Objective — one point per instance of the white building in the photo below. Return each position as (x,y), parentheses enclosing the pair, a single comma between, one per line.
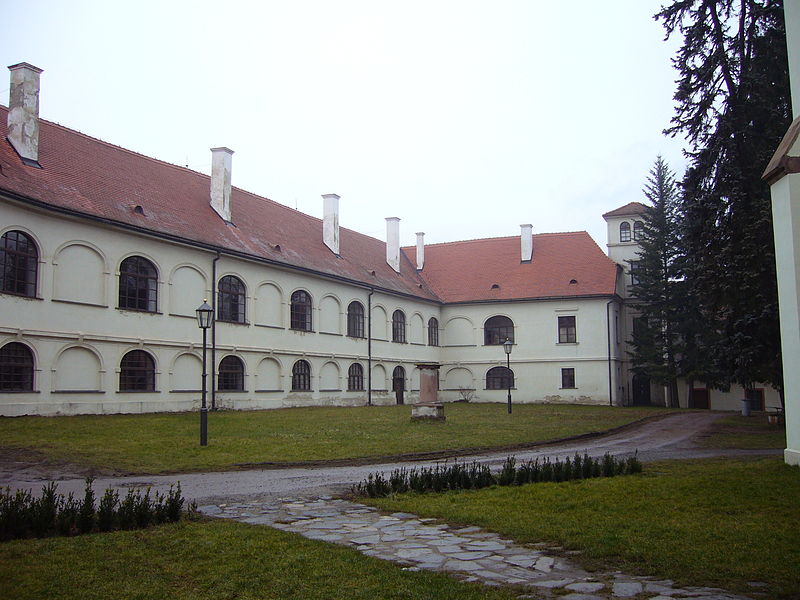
(106,254)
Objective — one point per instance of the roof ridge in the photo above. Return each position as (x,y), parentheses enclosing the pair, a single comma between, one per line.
(506,237)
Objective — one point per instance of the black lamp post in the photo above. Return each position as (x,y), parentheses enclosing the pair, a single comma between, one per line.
(205,315)
(507,346)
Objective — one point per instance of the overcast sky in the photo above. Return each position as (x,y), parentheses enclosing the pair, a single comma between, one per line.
(465,119)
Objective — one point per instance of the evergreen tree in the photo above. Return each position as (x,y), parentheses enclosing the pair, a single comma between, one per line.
(733,105)
(658,285)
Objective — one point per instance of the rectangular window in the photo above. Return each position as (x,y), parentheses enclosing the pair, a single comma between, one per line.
(635,266)
(568,378)
(566,330)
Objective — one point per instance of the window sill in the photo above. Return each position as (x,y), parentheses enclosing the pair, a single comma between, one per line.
(78,392)
(356,337)
(301,330)
(138,391)
(566,343)
(265,391)
(231,391)
(295,391)
(233,322)
(361,390)
(186,391)
(398,342)
(331,390)
(24,296)
(139,311)
(497,389)
(568,388)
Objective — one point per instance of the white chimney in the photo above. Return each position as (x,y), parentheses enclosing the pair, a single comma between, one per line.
(393,242)
(526,242)
(330,222)
(420,250)
(23,112)
(221,160)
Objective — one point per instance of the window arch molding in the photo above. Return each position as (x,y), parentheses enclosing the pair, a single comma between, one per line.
(498,329)
(20,256)
(625,231)
(17,367)
(137,371)
(231,372)
(355,320)
(355,378)
(499,378)
(138,283)
(231,299)
(301,376)
(399,326)
(301,306)
(433,331)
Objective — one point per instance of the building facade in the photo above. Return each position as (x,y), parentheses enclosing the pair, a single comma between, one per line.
(106,255)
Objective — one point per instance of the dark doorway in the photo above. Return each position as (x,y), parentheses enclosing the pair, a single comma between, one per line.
(641,390)
(699,399)
(399,383)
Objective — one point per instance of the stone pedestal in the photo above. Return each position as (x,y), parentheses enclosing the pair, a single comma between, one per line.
(428,407)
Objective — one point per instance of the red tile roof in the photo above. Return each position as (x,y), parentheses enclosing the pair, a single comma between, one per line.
(83,175)
(466,271)
(630,209)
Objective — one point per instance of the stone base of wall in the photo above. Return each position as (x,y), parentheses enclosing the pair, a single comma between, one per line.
(429,411)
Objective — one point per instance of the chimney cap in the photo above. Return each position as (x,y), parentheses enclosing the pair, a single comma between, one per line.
(420,233)
(336,196)
(392,218)
(24,65)
(222,149)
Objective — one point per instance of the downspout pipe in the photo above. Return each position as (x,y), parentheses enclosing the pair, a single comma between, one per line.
(214,332)
(369,347)
(608,335)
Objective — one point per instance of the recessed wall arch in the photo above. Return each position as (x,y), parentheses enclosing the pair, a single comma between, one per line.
(269,374)
(459,377)
(78,367)
(186,372)
(330,314)
(380,320)
(459,331)
(80,273)
(268,304)
(416,329)
(330,376)
(188,287)
(379,377)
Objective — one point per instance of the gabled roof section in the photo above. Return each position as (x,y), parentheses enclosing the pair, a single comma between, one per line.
(491,269)
(631,209)
(99,180)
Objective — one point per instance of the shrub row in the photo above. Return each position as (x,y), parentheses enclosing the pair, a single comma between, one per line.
(22,515)
(459,476)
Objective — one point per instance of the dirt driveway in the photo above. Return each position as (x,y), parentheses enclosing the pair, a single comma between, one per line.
(672,436)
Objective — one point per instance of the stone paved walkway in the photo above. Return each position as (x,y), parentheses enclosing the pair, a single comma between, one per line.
(539,570)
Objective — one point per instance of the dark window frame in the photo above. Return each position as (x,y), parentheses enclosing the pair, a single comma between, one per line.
(231,300)
(433,331)
(399,326)
(138,285)
(399,378)
(568,378)
(638,230)
(498,329)
(230,374)
(355,320)
(636,265)
(624,232)
(17,368)
(301,376)
(19,264)
(567,329)
(497,378)
(137,372)
(355,378)
(300,311)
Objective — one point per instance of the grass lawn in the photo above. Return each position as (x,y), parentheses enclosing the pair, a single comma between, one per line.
(168,442)
(721,522)
(736,431)
(217,560)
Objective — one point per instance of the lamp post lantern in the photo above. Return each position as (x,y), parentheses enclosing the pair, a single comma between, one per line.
(205,315)
(507,346)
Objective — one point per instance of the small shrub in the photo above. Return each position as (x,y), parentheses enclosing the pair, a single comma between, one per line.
(107,511)
(67,516)
(86,513)
(508,472)
(45,508)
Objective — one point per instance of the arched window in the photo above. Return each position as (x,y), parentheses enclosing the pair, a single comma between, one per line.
(231,300)
(497,329)
(355,378)
(138,284)
(301,377)
(625,232)
(231,374)
(300,311)
(19,262)
(638,230)
(16,368)
(398,379)
(433,331)
(499,378)
(399,326)
(355,320)
(137,372)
